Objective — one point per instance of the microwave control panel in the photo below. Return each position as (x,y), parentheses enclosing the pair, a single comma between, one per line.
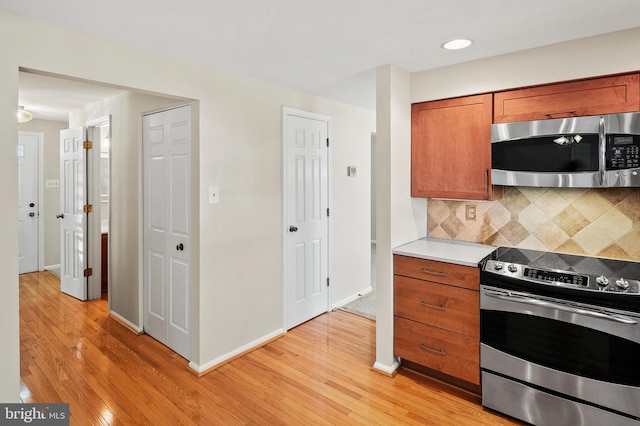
(623,151)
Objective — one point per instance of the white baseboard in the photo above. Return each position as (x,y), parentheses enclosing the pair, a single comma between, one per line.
(389,369)
(222,358)
(126,322)
(46,268)
(347,300)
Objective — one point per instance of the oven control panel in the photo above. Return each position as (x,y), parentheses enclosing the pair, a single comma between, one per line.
(563,278)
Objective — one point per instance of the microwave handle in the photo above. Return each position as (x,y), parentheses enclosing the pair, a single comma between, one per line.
(561,306)
(603,150)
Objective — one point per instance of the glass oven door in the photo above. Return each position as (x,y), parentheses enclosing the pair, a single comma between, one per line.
(576,349)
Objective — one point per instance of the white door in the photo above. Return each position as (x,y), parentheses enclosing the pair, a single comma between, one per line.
(306,218)
(73,228)
(167,228)
(28,201)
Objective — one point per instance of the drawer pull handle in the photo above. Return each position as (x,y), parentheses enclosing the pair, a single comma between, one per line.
(437,351)
(426,271)
(429,305)
(550,115)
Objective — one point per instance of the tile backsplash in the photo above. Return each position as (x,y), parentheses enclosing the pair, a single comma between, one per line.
(595,222)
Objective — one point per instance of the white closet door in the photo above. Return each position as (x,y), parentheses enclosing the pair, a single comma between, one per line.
(307,221)
(167,228)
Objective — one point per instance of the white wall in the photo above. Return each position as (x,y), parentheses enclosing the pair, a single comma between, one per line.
(238,147)
(9,336)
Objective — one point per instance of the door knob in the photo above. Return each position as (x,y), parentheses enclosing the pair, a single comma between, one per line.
(293,229)
(32,214)
(180,247)
(60,216)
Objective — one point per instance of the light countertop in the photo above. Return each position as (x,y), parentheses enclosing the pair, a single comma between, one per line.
(450,251)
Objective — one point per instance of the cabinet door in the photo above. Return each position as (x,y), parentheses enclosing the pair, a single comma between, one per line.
(451,148)
(605,95)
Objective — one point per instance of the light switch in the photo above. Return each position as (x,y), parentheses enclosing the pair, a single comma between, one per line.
(214,195)
(52,183)
(352,171)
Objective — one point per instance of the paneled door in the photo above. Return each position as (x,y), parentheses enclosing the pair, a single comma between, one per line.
(29,201)
(167,228)
(73,198)
(306,216)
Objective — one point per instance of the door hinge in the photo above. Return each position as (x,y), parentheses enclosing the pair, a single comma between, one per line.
(327,141)
(88,272)
(327,211)
(87,145)
(88,208)
(327,281)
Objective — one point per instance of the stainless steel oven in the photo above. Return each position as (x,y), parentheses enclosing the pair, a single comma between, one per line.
(560,338)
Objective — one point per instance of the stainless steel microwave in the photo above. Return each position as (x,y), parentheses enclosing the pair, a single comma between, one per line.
(578,152)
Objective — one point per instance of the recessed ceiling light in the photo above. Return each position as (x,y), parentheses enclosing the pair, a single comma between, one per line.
(460,43)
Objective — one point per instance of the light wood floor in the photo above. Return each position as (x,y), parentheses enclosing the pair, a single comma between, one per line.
(318,373)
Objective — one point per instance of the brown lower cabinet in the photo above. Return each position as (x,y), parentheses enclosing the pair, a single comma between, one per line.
(437,318)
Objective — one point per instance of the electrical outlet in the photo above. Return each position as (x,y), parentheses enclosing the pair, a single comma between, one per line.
(471,212)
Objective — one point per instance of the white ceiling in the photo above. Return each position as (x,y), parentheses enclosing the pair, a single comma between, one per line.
(331,47)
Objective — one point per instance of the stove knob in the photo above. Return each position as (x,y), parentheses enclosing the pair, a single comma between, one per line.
(497,266)
(602,281)
(622,284)
(512,268)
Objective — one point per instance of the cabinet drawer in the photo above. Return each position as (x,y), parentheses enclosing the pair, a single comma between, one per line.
(605,95)
(450,353)
(441,272)
(452,308)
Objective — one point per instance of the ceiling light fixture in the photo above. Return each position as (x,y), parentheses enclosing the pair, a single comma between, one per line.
(460,43)
(23,115)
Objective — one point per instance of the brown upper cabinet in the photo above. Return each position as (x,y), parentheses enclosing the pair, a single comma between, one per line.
(451,148)
(603,95)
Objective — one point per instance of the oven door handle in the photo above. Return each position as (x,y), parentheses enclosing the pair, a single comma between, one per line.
(561,306)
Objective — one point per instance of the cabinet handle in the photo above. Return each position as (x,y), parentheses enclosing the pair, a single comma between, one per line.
(428,305)
(437,351)
(486,184)
(551,114)
(426,271)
